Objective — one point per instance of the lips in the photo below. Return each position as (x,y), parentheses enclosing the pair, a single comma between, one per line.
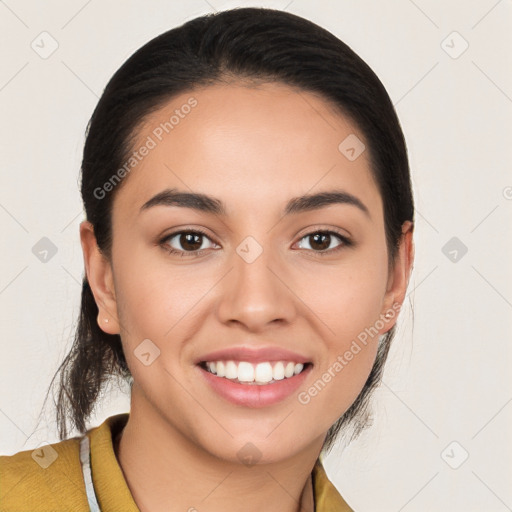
(254,377)
(253,395)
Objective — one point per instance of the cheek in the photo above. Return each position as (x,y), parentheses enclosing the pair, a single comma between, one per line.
(349,297)
(142,293)
(157,299)
(348,301)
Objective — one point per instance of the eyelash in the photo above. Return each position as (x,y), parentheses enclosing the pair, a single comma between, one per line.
(346,242)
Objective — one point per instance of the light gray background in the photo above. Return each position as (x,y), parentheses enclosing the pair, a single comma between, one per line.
(448,376)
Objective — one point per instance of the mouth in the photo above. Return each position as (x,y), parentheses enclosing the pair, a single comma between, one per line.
(254,385)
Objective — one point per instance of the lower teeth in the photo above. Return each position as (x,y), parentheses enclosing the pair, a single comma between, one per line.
(254,383)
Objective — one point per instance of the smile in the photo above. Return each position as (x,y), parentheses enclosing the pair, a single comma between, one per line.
(254,385)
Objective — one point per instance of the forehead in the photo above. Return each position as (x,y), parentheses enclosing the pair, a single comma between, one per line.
(250,145)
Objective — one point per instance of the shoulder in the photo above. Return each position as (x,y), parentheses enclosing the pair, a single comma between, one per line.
(327,497)
(43,479)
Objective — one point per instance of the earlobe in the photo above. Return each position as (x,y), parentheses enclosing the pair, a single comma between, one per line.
(399,276)
(99,275)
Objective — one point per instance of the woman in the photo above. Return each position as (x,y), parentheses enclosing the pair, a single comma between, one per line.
(247,248)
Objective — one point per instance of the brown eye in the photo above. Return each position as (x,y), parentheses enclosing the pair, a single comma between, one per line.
(320,242)
(183,242)
(190,241)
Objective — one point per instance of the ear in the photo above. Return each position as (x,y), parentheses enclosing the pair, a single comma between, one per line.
(99,275)
(398,278)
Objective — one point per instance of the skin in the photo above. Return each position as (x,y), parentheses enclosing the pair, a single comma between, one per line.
(253,147)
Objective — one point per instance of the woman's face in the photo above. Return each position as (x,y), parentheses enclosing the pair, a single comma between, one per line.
(263,282)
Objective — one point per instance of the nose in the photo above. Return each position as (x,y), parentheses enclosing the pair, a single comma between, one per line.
(256,294)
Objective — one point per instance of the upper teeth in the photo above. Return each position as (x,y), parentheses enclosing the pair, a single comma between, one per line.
(260,373)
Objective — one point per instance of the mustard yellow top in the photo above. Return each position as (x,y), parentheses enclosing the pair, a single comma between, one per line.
(53,477)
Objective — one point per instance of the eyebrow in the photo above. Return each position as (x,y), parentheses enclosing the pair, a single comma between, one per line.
(214,206)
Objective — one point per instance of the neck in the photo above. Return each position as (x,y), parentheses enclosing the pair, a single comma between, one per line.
(193,481)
